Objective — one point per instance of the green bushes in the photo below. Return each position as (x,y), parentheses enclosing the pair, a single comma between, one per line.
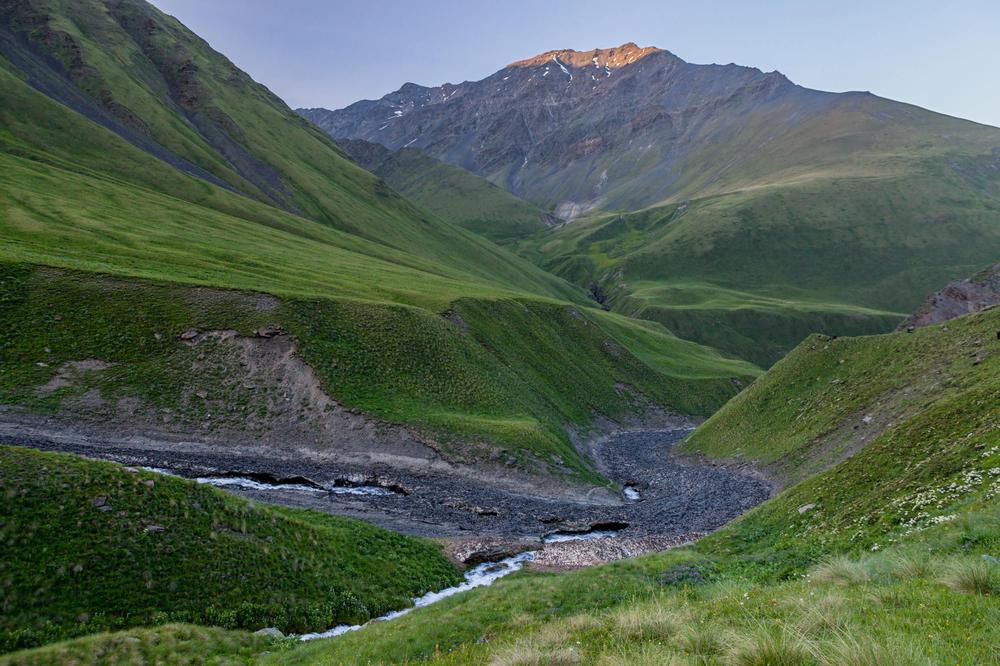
(88,546)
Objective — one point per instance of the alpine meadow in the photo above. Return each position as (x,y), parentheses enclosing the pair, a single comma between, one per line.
(603,358)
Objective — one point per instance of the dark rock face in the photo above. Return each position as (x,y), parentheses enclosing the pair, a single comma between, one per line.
(577,130)
(957,299)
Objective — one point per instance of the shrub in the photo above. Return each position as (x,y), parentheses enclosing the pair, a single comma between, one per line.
(973,577)
(842,570)
(850,650)
(772,648)
(647,623)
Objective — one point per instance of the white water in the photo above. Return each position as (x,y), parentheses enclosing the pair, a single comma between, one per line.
(253,484)
(478,576)
(243,482)
(560,537)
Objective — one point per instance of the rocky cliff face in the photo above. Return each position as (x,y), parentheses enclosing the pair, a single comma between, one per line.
(574,130)
(958,298)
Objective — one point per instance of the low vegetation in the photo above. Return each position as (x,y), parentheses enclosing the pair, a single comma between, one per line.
(89,546)
(173,644)
(450,192)
(511,373)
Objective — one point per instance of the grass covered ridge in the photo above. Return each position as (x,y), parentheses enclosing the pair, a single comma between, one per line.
(90,546)
(511,373)
(755,270)
(448,191)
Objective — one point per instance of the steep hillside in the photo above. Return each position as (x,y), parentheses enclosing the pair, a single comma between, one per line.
(833,397)
(112,165)
(70,66)
(90,546)
(450,192)
(733,206)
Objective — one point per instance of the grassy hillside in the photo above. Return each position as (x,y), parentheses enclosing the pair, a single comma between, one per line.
(511,373)
(830,397)
(879,558)
(164,90)
(754,271)
(450,192)
(69,181)
(90,546)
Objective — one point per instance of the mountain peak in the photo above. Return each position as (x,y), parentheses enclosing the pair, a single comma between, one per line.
(612,58)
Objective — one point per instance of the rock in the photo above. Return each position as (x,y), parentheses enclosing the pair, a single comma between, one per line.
(154,528)
(270,632)
(269,332)
(201,394)
(99,501)
(189,335)
(130,470)
(867,418)
(957,299)
(149,483)
(805,508)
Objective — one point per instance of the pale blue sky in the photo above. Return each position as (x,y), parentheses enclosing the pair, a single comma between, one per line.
(938,54)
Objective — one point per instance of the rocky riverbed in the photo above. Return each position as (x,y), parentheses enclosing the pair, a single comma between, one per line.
(660,499)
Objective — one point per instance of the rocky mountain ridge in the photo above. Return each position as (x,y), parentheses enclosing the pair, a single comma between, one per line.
(570,130)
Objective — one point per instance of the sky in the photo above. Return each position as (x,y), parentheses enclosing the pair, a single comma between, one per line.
(942,55)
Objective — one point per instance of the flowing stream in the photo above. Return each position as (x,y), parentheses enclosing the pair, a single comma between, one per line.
(256,484)
(478,576)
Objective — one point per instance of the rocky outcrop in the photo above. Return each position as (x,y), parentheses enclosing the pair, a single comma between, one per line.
(573,130)
(958,298)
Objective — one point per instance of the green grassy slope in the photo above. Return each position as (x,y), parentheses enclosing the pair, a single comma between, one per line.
(832,396)
(836,227)
(891,540)
(56,161)
(508,372)
(450,192)
(83,551)
(315,180)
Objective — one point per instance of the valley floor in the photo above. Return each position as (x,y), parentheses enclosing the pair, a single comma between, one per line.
(663,501)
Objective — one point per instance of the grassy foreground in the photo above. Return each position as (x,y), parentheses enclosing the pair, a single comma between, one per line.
(90,546)
(886,557)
